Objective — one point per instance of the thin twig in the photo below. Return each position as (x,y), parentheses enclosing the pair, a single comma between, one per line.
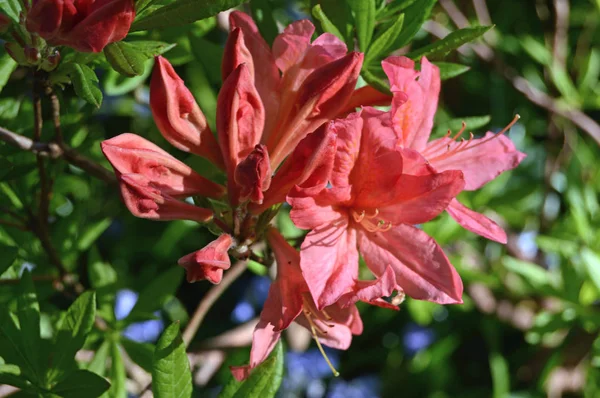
(210,298)
(56,116)
(53,150)
(561,34)
(22,227)
(35,278)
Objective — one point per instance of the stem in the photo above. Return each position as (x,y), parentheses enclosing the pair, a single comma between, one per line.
(210,298)
(14,225)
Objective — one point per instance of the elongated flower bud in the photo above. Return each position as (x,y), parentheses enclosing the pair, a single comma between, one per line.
(129,153)
(145,200)
(178,116)
(253,175)
(208,262)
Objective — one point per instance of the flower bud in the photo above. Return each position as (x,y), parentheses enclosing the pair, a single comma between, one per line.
(129,153)
(5,23)
(51,61)
(178,116)
(253,175)
(145,200)
(32,55)
(85,25)
(209,262)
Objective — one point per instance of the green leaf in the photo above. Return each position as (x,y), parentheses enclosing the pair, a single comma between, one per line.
(500,375)
(12,8)
(454,125)
(130,58)
(384,42)
(592,263)
(92,233)
(7,67)
(441,48)
(182,12)
(84,81)
(118,376)
(11,375)
(140,353)
(377,82)
(415,16)
(263,382)
(171,374)
(263,16)
(326,23)
(537,277)
(364,19)
(448,70)
(28,313)
(8,254)
(71,335)
(98,363)
(81,383)
(125,58)
(157,292)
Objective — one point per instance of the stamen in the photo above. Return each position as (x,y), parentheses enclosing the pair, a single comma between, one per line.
(326,315)
(462,129)
(367,221)
(387,227)
(374,214)
(314,333)
(358,218)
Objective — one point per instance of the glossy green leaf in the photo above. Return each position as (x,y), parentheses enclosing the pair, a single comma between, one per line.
(72,333)
(8,254)
(182,12)
(85,83)
(263,16)
(414,16)
(7,67)
(380,83)
(171,374)
(118,376)
(326,24)
(263,382)
(364,19)
(125,58)
(81,383)
(11,375)
(448,70)
(442,47)
(382,44)
(140,353)
(91,233)
(28,313)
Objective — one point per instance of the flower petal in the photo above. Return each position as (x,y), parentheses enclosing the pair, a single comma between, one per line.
(130,153)
(372,291)
(177,115)
(253,175)
(289,46)
(147,201)
(421,267)
(329,262)
(415,101)
(481,160)
(263,342)
(476,222)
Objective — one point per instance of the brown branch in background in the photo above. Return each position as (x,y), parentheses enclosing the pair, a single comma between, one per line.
(11,224)
(210,298)
(561,34)
(484,18)
(53,151)
(56,116)
(459,19)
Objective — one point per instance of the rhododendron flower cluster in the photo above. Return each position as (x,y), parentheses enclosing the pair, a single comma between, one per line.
(360,181)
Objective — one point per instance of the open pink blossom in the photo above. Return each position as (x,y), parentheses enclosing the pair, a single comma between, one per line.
(289,300)
(480,159)
(378,192)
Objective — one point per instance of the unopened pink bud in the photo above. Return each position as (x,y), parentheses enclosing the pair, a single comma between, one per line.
(209,262)
(253,175)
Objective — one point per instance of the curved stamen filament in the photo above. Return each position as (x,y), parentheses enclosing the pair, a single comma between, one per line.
(369,223)
(465,147)
(314,329)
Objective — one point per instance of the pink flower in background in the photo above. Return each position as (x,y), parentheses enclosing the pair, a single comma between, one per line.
(378,191)
(289,300)
(480,159)
(85,25)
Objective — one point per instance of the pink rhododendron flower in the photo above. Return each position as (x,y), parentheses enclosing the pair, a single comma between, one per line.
(85,25)
(289,300)
(208,262)
(480,159)
(378,191)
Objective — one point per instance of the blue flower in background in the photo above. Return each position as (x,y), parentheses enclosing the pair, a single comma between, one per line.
(252,300)
(305,371)
(417,338)
(361,387)
(142,332)
(243,312)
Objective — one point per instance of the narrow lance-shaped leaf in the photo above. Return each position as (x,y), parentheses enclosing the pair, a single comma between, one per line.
(592,263)
(364,18)
(157,291)
(384,42)
(441,48)
(448,70)
(8,254)
(415,16)
(171,374)
(326,23)
(182,12)
(28,312)
(81,383)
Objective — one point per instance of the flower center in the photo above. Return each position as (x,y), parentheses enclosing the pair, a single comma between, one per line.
(316,330)
(370,222)
(435,152)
